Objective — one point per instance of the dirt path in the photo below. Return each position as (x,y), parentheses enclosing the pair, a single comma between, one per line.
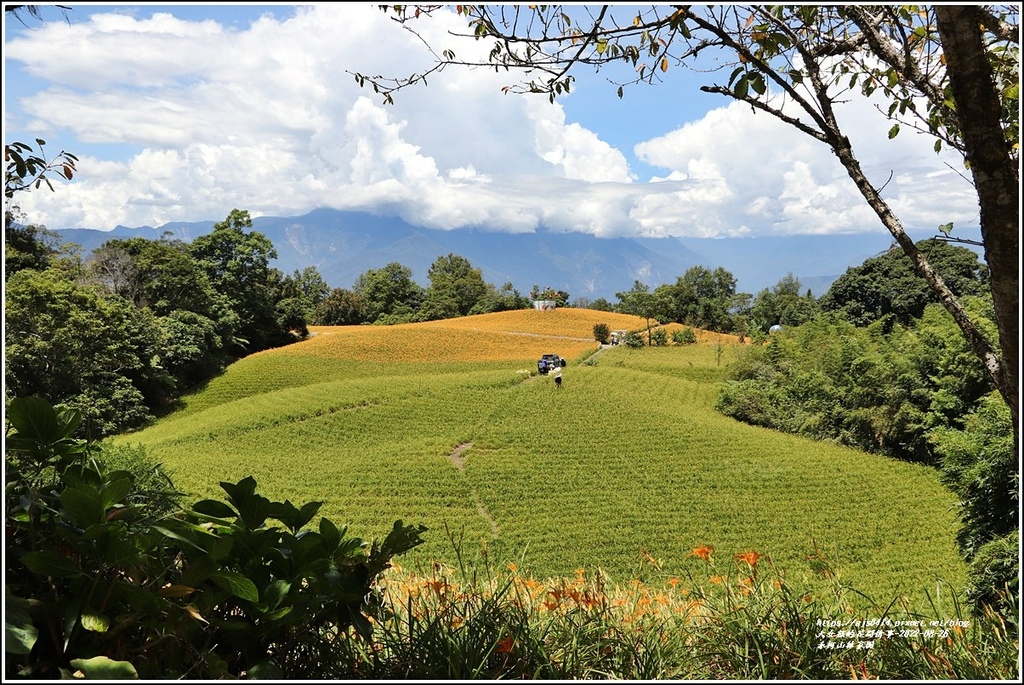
(459,460)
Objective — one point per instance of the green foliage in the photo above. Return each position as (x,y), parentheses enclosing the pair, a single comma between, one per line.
(340,308)
(685,336)
(66,342)
(994,577)
(700,297)
(191,348)
(980,466)
(888,286)
(104,579)
(659,338)
(503,299)
(602,333)
(633,340)
(830,380)
(27,247)
(237,264)
(456,287)
(782,304)
(389,292)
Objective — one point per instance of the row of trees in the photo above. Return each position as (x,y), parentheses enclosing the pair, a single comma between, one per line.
(389,295)
(883,287)
(122,334)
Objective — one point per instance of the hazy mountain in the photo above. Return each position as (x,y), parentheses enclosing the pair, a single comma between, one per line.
(343,245)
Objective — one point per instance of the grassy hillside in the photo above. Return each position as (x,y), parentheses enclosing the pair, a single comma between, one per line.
(446,424)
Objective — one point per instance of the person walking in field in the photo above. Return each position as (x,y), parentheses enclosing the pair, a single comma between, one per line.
(558,379)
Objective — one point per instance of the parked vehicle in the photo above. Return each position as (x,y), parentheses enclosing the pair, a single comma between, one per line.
(549,362)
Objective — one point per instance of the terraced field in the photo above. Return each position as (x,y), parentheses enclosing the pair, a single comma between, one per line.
(446,424)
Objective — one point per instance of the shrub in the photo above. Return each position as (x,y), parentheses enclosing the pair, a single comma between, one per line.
(685,336)
(994,577)
(633,340)
(99,580)
(659,337)
(602,333)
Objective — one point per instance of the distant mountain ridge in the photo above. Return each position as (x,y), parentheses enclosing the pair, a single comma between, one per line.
(343,244)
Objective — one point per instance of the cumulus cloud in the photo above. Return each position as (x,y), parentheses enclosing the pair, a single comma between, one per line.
(268,118)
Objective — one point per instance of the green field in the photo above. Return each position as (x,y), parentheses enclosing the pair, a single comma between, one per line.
(629,455)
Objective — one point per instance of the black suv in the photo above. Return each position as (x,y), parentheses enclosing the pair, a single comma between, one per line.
(549,362)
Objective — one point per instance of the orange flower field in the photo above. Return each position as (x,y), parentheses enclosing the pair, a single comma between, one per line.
(520,335)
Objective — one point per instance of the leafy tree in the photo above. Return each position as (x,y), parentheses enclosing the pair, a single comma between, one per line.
(76,348)
(237,263)
(949,70)
(456,287)
(177,290)
(116,271)
(309,287)
(602,333)
(28,247)
(601,305)
(887,285)
(503,299)
(701,297)
(191,347)
(389,291)
(639,301)
(783,304)
(340,308)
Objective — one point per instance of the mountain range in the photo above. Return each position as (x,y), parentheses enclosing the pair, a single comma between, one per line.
(344,244)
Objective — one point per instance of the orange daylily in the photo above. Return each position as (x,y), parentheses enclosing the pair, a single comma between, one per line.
(505,645)
(749,557)
(704,552)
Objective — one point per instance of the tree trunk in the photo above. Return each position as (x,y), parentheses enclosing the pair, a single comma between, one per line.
(995,176)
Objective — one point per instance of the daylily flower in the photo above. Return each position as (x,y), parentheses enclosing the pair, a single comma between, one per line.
(704,552)
(749,557)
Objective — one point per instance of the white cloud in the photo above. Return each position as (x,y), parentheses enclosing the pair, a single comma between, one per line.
(267,118)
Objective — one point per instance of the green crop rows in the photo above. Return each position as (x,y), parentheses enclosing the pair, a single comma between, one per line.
(628,455)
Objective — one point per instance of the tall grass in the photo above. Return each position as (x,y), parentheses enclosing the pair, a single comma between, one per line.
(735,618)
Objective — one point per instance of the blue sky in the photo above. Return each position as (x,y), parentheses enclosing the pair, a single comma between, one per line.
(184,112)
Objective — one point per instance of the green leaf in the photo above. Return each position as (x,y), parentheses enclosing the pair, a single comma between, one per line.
(104,668)
(34,418)
(19,633)
(113,492)
(83,506)
(214,508)
(330,534)
(894,131)
(740,89)
(757,83)
(237,584)
(94,621)
(166,532)
(52,564)
(275,592)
